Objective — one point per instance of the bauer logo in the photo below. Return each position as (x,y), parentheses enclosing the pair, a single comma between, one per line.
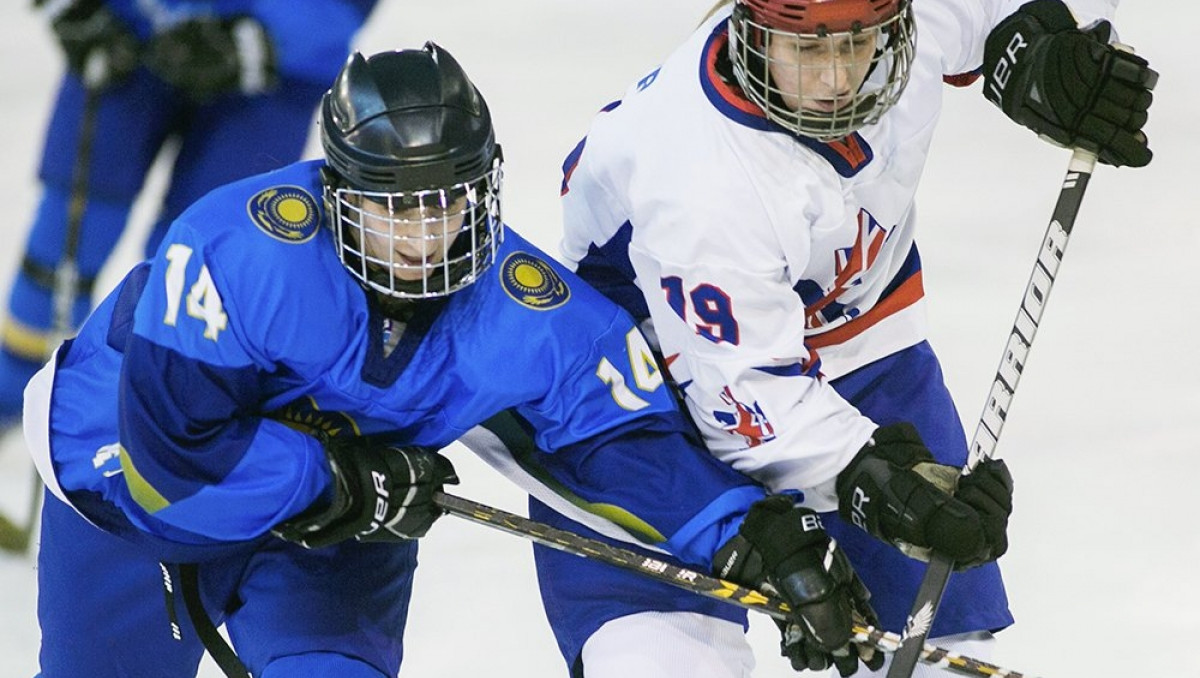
(286,213)
(533,283)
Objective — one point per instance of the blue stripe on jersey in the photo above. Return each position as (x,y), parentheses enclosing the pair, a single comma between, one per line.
(192,422)
(798,369)
(572,159)
(607,268)
(569,165)
(697,541)
(910,267)
(121,320)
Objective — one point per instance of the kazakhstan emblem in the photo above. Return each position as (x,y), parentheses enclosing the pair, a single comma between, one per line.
(286,213)
(533,283)
(306,417)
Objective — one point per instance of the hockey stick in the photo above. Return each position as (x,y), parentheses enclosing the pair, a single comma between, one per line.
(15,538)
(995,409)
(690,580)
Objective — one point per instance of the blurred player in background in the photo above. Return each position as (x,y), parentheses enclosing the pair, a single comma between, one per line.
(262,403)
(751,201)
(232,84)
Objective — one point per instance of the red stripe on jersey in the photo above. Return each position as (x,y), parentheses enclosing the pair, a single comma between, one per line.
(962,79)
(908,293)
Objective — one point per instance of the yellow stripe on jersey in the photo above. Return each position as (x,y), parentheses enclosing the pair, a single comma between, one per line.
(142,491)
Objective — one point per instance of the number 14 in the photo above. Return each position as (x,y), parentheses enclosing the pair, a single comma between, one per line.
(203,301)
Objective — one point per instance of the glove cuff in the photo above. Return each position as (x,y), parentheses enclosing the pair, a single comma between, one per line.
(68,10)
(1051,15)
(256,70)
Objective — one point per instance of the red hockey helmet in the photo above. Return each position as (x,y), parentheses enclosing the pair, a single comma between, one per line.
(816,17)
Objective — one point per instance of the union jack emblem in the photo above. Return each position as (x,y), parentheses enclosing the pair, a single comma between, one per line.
(747,421)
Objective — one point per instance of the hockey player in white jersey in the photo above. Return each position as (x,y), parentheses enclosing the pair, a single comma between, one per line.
(751,200)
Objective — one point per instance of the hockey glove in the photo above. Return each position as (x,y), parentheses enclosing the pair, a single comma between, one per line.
(1070,85)
(783,549)
(380,494)
(207,57)
(99,47)
(895,490)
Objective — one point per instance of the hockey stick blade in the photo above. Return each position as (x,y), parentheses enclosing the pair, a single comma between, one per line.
(15,538)
(690,580)
(1004,385)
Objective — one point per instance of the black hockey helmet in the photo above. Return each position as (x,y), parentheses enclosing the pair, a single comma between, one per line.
(412,165)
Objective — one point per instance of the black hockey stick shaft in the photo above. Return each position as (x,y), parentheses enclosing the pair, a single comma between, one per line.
(1004,385)
(66,273)
(690,580)
(14,537)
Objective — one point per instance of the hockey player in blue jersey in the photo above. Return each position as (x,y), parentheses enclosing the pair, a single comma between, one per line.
(231,84)
(265,399)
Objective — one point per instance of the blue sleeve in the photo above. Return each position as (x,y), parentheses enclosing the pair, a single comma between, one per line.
(199,456)
(654,478)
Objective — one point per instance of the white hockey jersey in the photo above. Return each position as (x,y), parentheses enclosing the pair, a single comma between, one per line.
(766,259)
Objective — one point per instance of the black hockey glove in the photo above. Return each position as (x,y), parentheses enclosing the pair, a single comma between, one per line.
(99,47)
(895,490)
(1069,85)
(783,549)
(380,494)
(207,57)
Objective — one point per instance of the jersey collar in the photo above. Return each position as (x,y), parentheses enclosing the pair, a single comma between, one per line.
(847,156)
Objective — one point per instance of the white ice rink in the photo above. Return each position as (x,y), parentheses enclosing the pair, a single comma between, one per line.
(1102,437)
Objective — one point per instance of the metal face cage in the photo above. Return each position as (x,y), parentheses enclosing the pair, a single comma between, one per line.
(824,85)
(418,244)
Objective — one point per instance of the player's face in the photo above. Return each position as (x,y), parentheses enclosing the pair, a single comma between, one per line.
(820,74)
(413,239)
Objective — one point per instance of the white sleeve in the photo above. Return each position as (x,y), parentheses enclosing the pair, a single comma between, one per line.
(592,212)
(960,27)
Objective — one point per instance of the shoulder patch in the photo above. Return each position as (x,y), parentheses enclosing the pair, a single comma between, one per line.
(286,213)
(532,282)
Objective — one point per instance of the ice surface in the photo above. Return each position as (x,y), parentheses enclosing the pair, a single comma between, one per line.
(1098,437)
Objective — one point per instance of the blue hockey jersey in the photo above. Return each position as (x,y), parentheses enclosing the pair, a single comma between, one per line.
(191,407)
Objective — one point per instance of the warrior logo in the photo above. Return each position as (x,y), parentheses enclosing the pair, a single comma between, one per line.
(286,213)
(746,421)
